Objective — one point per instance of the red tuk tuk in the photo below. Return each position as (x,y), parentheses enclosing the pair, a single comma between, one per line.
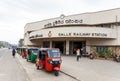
(24,52)
(49,59)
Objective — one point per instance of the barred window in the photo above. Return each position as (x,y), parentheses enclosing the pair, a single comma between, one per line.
(101,48)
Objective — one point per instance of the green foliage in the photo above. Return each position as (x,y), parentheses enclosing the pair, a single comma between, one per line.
(21,42)
(1,44)
(105,53)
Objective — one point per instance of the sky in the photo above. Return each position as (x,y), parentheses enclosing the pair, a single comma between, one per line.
(14,14)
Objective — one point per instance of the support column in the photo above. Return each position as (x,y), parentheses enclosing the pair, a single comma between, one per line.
(88,47)
(41,44)
(67,47)
(50,44)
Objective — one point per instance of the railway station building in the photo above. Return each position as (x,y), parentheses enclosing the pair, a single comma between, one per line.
(92,31)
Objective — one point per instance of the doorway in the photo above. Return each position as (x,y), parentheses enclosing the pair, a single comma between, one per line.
(46,44)
(74,45)
(60,45)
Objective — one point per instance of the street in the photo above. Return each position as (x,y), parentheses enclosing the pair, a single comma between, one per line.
(10,68)
(60,40)
(42,75)
(18,69)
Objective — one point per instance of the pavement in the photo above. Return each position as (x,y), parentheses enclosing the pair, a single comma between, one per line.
(40,75)
(10,69)
(91,70)
(86,69)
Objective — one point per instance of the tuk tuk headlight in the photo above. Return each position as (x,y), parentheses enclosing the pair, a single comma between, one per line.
(50,61)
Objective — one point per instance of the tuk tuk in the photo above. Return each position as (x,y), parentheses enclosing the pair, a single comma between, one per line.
(24,52)
(32,54)
(19,50)
(49,59)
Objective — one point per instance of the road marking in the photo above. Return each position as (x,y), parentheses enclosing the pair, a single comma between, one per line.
(77,79)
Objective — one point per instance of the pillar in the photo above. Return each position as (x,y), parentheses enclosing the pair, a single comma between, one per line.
(67,47)
(50,44)
(41,44)
(88,47)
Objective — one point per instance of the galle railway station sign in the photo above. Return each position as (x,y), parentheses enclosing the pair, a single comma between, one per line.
(70,34)
(84,34)
(63,22)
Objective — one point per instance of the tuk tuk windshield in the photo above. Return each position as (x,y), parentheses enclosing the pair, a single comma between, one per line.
(34,51)
(53,53)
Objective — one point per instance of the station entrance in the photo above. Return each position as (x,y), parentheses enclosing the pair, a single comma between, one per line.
(74,45)
(60,45)
(46,44)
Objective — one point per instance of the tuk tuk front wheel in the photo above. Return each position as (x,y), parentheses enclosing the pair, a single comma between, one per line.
(56,73)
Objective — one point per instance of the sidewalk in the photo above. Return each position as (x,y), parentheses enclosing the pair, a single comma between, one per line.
(84,70)
(91,70)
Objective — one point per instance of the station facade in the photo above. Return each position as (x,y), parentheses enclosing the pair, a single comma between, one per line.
(93,31)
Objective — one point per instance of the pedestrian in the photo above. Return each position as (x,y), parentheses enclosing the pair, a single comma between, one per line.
(81,51)
(74,51)
(78,54)
(13,52)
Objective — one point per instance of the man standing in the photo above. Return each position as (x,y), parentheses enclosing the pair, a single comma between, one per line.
(78,54)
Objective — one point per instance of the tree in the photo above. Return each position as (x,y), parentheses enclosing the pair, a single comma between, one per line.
(1,44)
(21,42)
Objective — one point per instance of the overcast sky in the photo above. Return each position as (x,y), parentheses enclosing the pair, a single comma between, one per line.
(14,14)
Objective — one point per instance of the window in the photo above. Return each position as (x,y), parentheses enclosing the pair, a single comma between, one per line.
(53,53)
(34,51)
(101,49)
(104,25)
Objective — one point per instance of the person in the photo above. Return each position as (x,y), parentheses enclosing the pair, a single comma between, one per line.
(78,54)
(81,51)
(74,51)
(13,52)
(117,58)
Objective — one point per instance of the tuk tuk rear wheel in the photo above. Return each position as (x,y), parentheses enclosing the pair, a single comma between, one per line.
(56,73)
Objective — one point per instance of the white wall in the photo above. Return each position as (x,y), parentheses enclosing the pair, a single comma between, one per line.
(26,40)
(88,18)
(111,33)
(108,16)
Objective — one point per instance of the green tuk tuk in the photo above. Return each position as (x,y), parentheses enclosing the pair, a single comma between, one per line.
(19,50)
(32,54)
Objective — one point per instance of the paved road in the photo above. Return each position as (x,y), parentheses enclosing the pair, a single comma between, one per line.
(91,70)
(84,70)
(10,68)
(41,75)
